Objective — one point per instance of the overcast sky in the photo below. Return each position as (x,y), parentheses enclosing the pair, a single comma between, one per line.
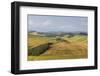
(42,23)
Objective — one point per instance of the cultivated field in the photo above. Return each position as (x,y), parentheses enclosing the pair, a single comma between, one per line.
(57,47)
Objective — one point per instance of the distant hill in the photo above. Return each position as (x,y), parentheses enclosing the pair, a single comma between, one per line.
(56,33)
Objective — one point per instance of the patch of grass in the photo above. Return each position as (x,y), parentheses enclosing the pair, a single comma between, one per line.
(34,41)
(35,51)
(35,58)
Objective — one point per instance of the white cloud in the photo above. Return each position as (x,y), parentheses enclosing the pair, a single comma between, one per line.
(46,23)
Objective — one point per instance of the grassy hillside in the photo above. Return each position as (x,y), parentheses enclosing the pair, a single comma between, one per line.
(60,47)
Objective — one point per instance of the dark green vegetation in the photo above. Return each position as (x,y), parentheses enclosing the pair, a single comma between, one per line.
(35,51)
(49,46)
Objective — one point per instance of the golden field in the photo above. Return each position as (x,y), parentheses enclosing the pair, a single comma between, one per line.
(52,48)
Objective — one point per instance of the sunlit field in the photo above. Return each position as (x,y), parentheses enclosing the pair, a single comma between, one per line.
(57,47)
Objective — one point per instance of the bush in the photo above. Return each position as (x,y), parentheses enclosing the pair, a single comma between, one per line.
(38,50)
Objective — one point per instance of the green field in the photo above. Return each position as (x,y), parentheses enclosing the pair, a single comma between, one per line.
(57,47)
